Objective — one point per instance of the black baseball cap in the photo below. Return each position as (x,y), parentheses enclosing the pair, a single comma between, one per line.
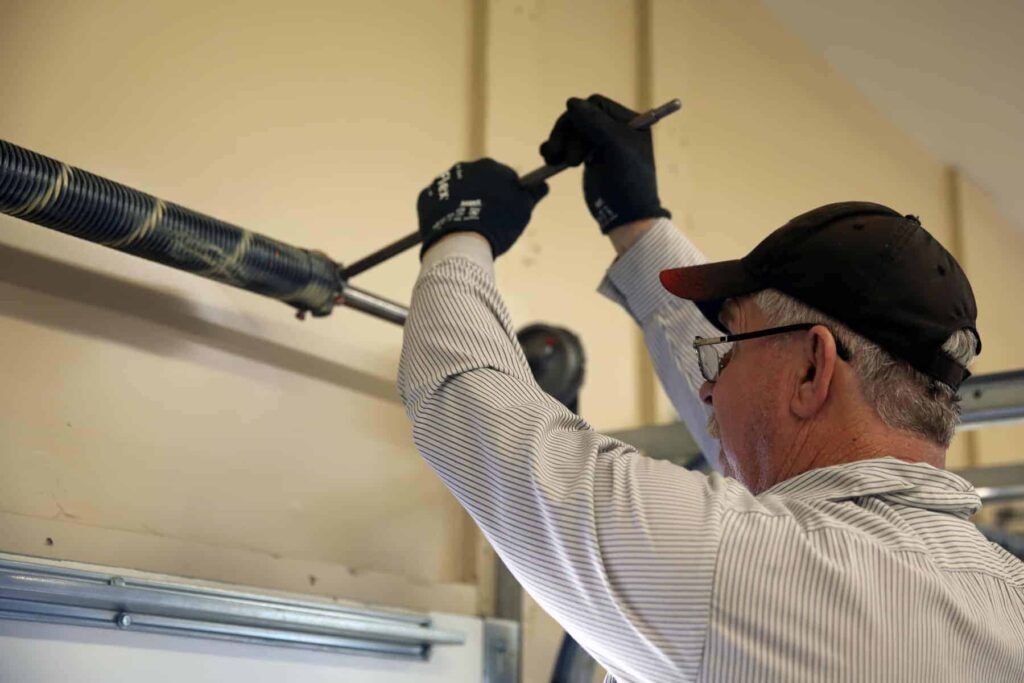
(876,271)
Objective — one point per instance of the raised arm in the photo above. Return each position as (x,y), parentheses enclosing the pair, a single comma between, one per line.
(621,191)
(669,323)
(619,548)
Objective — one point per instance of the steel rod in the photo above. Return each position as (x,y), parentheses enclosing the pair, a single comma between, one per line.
(366,302)
(534,177)
(393,249)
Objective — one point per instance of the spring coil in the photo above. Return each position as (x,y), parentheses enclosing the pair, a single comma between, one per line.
(50,193)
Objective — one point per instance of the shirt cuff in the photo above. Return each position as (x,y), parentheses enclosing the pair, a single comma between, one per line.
(460,244)
(632,280)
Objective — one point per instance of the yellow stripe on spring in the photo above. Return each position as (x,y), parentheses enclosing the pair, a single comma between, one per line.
(227,264)
(144,228)
(44,199)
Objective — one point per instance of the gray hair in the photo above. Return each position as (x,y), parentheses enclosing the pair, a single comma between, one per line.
(904,398)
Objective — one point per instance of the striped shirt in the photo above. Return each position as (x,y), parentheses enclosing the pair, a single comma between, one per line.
(867,571)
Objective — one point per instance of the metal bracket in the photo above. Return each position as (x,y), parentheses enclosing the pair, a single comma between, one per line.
(501,651)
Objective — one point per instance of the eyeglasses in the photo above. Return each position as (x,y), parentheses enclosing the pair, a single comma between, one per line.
(713,358)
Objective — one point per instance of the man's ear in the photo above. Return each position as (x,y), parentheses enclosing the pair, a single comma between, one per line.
(818,367)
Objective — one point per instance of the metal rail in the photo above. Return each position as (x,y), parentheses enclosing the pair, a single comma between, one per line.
(994,398)
(37,590)
(998,483)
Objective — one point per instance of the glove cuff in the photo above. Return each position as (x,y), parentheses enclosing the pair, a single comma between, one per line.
(656,211)
(435,238)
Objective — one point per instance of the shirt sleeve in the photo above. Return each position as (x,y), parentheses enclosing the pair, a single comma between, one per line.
(619,548)
(669,323)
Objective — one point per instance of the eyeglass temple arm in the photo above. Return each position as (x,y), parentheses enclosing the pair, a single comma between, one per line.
(700,341)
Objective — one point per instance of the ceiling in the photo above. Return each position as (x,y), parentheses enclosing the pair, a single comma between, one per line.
(950,73)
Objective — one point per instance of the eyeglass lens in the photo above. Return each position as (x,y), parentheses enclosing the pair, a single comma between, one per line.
(712,359)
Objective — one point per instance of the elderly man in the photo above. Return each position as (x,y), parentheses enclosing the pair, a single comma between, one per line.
(835,547)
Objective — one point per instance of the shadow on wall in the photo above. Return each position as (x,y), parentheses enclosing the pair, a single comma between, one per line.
(35,274)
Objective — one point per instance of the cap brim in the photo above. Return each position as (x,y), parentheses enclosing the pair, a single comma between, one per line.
(709,285)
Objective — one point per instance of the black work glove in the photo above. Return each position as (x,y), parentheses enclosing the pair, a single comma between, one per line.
(619,182)
(481,196)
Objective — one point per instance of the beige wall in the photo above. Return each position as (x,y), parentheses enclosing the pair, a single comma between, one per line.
(155,403)
(992,253)
(538,55)
(171,424)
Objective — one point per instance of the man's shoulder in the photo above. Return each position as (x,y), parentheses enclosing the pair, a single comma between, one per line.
(812,521)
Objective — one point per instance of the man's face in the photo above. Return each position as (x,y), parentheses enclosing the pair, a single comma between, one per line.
(747,400)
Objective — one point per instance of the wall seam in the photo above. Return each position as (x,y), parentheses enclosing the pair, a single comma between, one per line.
(480,562)
(954,205)
(647,385)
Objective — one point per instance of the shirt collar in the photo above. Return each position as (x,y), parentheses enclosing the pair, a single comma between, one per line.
(914,484)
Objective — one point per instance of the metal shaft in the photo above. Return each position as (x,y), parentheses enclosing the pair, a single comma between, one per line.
(534,177)
(60,197)
(380,307)
(57,196)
